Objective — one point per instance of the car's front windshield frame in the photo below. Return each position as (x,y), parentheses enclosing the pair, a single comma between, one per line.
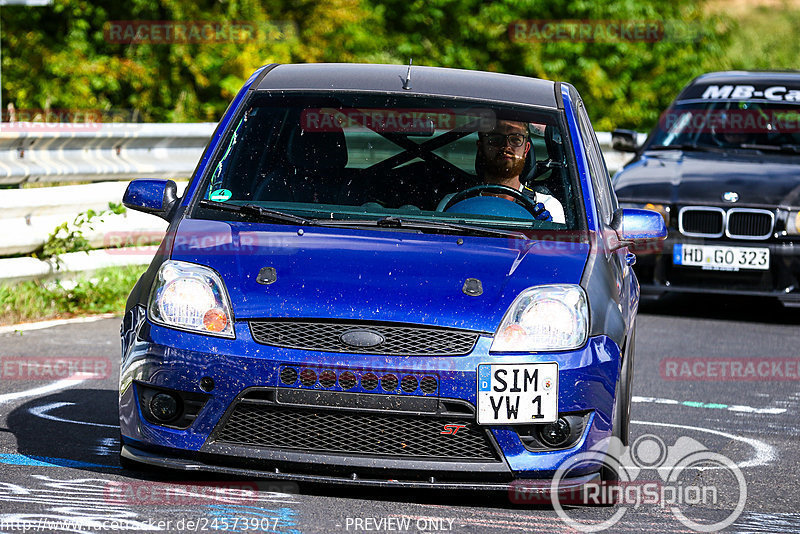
(322,212)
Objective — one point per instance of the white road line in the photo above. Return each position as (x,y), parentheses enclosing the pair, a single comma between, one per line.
(24,327)
(764,453)
(41,411)
(74,380)
(711,405)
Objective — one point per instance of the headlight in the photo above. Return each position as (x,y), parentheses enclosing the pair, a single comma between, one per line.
(554,317)
(663,209)
(793,223)
(190,297)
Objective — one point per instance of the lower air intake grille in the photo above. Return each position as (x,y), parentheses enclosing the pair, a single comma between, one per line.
(331,431)
(393,340)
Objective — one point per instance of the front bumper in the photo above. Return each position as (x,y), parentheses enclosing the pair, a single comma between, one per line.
(658,274)
(165,358)
(209,464)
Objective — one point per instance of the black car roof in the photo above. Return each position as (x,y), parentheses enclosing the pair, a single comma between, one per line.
(434,81)
(758,79)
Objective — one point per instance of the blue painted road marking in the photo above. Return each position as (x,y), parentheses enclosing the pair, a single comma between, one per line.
(46,461)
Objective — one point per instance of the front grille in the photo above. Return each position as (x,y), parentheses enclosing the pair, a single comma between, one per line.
(409,383)
(326,379)
(736,223)
(369,381)
(701,221)
(750,223)
(308,378)
(397,340)
(389,382)
(347,380)
(428,384)
(331,431)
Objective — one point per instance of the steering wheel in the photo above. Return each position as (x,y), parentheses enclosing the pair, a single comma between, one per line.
(497,189)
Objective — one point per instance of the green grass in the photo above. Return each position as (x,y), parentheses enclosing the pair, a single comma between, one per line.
(104,291)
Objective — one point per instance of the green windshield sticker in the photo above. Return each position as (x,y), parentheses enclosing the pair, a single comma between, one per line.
(220,195)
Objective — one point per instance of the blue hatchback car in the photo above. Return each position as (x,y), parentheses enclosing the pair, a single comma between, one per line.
(386,275)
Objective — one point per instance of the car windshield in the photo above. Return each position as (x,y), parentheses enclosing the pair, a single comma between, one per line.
(729,124)
(390,161)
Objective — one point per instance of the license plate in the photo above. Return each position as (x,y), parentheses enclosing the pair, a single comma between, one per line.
(517,393)
(721,258)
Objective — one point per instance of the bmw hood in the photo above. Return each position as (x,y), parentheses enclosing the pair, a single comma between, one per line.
(703,178)
(373,275)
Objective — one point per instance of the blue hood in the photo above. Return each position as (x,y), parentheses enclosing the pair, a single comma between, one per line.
(374,275)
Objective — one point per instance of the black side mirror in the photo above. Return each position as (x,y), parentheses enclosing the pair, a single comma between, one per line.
(624,141)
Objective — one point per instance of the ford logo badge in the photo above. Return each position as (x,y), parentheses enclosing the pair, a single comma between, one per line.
(361,338)
(730,196)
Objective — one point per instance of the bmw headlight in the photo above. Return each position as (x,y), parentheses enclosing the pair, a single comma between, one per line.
(191,297)
(793,223)
(553,317)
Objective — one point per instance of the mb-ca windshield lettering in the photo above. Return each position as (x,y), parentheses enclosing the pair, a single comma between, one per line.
(777,93)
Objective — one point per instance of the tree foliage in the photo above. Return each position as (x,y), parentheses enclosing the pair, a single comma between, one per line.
(59,57)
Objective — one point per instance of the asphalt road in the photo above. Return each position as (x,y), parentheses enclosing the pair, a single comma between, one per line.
(59,470)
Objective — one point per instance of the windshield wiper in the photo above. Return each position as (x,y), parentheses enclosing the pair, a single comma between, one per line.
(682,146)
(792,149)
(261,212)
(384,222)
(755,146)
(416,224)
(784,148)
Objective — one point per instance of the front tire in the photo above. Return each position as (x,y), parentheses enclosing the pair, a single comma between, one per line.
(621,418)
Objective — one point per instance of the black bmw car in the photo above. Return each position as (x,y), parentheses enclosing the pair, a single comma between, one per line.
(722,166)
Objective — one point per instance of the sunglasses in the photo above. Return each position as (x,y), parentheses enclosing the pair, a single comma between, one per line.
(514,139)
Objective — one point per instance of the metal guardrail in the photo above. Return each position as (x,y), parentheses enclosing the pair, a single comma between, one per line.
(59,152)
(29,216)
(101,153)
